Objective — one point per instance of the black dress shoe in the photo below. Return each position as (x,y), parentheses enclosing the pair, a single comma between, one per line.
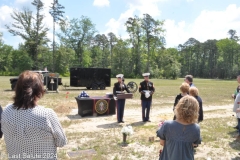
(122,121)
(144,121)
(236,127)
(148,120)
(119,122)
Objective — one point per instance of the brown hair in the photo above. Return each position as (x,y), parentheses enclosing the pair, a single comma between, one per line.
(28,89)
(187,109)
(184,88)
(193,91)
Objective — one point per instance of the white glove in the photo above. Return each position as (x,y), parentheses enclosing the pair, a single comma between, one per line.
(147,94)
(115,98)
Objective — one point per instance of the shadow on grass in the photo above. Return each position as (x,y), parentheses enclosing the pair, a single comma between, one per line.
(87,116)
(140,123)
(8,90)
(232,133)
(110,125)
(235,144)
(122,144)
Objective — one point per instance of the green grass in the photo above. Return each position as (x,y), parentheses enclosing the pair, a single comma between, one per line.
(213,92)
(217,132)
(212,130)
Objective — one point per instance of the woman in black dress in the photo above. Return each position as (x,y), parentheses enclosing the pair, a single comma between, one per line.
(184,88)
(193,91)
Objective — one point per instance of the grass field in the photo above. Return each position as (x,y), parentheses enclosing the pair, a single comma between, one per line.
(213,92)
(216,129)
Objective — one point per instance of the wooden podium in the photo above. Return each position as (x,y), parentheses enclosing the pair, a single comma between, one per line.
(125,96)
(99,105)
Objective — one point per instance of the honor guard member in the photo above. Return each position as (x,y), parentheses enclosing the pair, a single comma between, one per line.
(146,89)
(118,88)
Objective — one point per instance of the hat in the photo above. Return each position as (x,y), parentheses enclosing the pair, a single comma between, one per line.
(119,76)
(146,74)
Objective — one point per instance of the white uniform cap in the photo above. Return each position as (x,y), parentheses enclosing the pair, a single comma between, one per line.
(146,74)
(119,76)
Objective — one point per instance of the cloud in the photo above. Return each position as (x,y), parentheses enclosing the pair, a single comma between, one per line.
(176,33)
(101,3)
(21,1)
(208,25)
(117,26)
(143,6)
(135,7)
(5,16)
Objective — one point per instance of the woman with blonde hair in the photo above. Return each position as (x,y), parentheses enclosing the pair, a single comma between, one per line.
(193,91)
(184,88)
(178,137)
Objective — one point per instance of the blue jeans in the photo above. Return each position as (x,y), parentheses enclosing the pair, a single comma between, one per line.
(146,105)
(120,109)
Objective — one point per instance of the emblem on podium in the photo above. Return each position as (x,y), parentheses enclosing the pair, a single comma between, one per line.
(101,106)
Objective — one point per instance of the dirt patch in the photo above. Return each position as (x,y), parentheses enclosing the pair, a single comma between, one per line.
(65,107)
(108,126)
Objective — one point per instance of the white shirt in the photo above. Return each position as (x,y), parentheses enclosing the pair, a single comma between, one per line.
(33,133)
(237,105)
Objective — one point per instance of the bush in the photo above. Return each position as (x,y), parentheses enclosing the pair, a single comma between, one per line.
(67,74)
(6,73)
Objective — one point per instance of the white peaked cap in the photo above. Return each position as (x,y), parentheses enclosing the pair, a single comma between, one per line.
(119,76)
(146,74)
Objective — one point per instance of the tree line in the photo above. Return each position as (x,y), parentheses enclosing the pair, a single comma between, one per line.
(80,45)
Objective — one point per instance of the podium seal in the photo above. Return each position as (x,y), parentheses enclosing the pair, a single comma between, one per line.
(101,106)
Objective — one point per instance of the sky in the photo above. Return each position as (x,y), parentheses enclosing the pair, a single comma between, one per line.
(183,19)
